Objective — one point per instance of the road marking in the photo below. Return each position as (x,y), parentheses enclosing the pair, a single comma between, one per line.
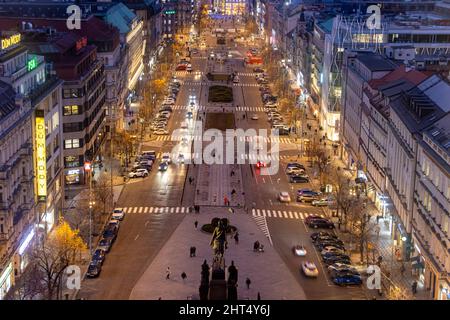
(177,210)
(151,209)
(135,209)
(296,215)
(146,209)
(141,209)
(147,222)
(290,215)
(136,237)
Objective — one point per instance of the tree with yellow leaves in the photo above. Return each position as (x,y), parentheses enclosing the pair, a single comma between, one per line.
(52,256)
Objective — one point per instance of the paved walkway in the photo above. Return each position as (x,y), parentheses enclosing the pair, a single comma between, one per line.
(268,274)
(216,182)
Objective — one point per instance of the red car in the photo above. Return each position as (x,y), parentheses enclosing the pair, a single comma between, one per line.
(261,164)
(181,67)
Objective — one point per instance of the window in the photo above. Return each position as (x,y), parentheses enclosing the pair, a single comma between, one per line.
(71,110)
(71,143)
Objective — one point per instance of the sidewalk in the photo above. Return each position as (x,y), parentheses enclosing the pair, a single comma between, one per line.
(268,274)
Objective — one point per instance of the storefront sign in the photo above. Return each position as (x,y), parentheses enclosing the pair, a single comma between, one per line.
(32,64)
(87,166)
(41,160)
(12,40)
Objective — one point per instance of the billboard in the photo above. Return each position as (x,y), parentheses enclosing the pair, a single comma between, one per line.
(41,158)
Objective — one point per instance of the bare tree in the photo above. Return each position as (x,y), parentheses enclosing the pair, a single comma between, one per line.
(103,196)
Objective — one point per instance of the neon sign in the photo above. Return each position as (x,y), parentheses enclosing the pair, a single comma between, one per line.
(32,64)
(41,158)
(12,40)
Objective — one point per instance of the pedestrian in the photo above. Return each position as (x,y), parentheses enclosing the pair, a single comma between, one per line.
(233,192)
(236,238)
(378,218)
(339,223)
(168,273)
(190,180)
(196,224)
(414,287)
(191,252)
(248,282)
(377,230)
(225,200)
(258,297)
(183,276)
(402,269)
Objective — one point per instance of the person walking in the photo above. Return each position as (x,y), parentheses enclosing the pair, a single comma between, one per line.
(414,287)
(195,224)
(168,273)
(248,282)
(378,230)
(183,275)
(402,269)
(258,297)
(236,237)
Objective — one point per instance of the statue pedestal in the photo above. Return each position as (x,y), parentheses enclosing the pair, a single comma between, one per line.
(217,289)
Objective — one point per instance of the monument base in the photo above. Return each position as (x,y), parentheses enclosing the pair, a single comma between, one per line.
(217,290)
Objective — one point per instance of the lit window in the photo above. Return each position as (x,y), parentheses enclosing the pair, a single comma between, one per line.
(71,110)
(71,143)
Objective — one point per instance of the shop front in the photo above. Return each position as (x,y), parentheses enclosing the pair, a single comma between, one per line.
(6,280)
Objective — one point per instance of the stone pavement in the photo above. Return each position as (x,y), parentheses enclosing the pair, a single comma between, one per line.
(217,181)
(268,274)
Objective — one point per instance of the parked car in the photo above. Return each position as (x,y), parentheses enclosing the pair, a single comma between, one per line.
(254,117)
(138,173)
(94,269)
(294,170)
(331,259)
(347,280)
(298,179)
(105,244)
(295,165)
(118,214)
(114,223)
(318,235)
(99,255)
(341,267)
(321,223)
(309,269)
(110,232)
(284,196)
(258,70)
(332,249)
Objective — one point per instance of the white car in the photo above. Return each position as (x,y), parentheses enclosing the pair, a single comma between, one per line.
(284,197)
(180,158)
(309,269)
(118,214)
(341,266)
(138,173)
(189,67)
(294,170)
(331,249)
(161,131)
(255,117)
(114,223)
(169,101)
(166,158)
(299,250)
(236,79)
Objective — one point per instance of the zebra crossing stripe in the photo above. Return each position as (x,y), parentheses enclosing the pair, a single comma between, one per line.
(268,214)
(135,209)
(140,209)
(259,213)
(182,209)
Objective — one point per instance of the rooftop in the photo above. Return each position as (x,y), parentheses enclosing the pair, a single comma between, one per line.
(375,62)
(401,73)
(7,99)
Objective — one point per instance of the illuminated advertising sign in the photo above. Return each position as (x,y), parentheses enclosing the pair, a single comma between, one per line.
(32,64)
(12,40)
(41,159)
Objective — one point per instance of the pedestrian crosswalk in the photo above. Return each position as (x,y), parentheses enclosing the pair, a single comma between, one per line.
(194,83)
(262,139)
(155,210)
(261,222)
(246,74)
(237,108)
(286,214)
(245,85)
